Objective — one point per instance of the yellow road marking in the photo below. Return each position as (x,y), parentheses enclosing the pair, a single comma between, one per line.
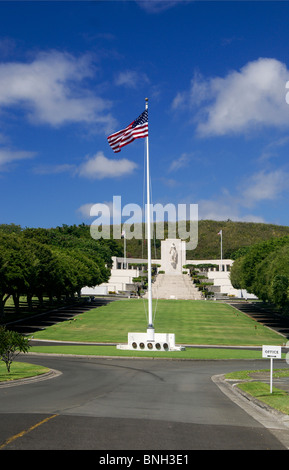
(22,433)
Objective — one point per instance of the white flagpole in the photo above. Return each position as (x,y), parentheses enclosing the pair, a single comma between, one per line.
(221,250)
(124,241)
(124,249)
(150,328)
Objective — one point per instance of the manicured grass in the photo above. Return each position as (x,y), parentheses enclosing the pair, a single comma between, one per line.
(278,399)
(20,370)
(246,374)
(189,353)
(193,322)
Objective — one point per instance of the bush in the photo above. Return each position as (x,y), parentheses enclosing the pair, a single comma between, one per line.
(11,344)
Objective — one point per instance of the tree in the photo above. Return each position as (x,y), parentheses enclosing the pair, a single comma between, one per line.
(53,262)
(41,269)
(245,268)
(11,344)
(275,276)
(279,290)
(236,274)
(264,271)
(13,268)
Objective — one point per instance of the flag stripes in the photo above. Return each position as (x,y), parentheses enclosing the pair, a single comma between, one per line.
(135,130)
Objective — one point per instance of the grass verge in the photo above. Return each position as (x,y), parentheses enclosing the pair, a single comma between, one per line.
(189,353)
(278,399)
(20,370)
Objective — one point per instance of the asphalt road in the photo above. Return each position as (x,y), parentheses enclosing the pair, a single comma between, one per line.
(127,404)
(123,405)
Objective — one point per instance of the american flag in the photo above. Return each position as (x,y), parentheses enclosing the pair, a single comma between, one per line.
(136,130)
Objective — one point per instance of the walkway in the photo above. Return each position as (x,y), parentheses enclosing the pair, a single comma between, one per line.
(175,286)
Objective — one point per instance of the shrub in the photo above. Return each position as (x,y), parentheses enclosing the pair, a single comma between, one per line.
(11,344)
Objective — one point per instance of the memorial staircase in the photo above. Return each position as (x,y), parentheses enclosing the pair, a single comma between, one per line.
(175,286)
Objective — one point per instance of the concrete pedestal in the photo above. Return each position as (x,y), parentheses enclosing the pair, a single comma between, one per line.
(148,342)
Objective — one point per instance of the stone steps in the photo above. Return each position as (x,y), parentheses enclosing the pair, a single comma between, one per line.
(175,286)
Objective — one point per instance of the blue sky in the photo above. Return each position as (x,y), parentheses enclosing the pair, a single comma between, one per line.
(215,74)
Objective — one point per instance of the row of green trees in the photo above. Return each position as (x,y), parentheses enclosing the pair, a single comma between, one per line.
(51,262)
(263,270)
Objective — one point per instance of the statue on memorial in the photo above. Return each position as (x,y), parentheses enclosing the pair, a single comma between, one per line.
(174,256)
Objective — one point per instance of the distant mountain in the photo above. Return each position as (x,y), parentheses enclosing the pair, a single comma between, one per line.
(236,235)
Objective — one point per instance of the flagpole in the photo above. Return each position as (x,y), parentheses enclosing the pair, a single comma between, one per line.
(150,328)
(124,243)
(221,250)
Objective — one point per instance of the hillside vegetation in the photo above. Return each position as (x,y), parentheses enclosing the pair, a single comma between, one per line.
(263,269)
(236,235)
(58,262)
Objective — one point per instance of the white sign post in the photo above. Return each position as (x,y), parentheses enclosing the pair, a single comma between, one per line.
(272,352)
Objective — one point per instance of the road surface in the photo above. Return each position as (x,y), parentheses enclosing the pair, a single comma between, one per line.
(132,404)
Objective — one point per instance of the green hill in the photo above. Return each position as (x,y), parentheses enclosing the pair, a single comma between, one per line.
(236,235)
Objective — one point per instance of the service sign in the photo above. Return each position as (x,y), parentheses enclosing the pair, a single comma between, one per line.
(271,351)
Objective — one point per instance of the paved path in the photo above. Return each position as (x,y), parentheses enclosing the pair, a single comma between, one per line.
(129,404)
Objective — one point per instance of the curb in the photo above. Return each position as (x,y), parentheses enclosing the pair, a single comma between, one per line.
(230,384)
(274,420)
(51,374)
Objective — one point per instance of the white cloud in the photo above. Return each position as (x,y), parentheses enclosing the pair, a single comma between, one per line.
(260,187)
(99,167)
(84,210)
(271,150)
(222,209)
(51,90)
(170,182)
(54,169)
(8,156)
(96,167)
(131,79)
(241,101)
(157,6)
(112,213)
(264,186)
(180,162)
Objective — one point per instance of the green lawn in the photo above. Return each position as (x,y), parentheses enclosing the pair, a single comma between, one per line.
(193,322)
(278,399)
(188,353)
(20,370)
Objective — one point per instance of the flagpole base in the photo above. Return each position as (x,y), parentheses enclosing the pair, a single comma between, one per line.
(151,341)
(150,333)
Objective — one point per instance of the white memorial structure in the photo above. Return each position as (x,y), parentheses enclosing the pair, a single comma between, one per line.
(172,283)
(176,285)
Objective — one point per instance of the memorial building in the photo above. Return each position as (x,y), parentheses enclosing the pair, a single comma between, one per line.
(172,279)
